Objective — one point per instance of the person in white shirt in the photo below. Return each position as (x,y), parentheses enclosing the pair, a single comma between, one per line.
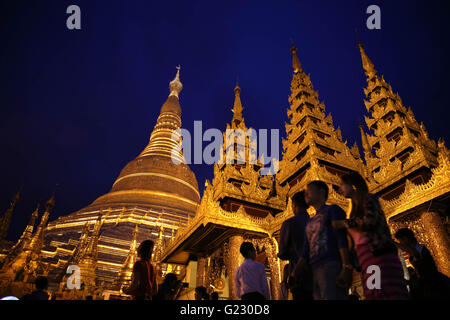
(250,280)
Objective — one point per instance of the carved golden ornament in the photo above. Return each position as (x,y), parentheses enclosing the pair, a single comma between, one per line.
(415,195)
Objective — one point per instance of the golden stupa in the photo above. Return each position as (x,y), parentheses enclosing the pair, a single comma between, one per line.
(152,191)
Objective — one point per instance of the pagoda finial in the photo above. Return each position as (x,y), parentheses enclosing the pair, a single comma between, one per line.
(175,85)
(237,108)
(367,64)
(295,61)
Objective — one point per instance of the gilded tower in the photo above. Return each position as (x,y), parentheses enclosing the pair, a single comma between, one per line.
(407,169)
(238,206)
(314,149)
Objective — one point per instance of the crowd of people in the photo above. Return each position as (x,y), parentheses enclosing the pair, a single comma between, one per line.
(323,252)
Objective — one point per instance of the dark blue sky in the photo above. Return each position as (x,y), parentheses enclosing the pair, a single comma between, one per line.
(76,106)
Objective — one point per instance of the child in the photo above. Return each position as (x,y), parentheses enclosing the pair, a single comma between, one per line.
(250,280)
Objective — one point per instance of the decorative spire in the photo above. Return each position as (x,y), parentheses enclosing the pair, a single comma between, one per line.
(76,256)
(365,142)
(124,277)
(165,139)
(354,150)
(390,120)
(175,85)
(238,119)
(6,219)
(92,247)
(50,202)
(25,238)
(367,64)
(295,61)
(82,242)
(37,241)
(159,245)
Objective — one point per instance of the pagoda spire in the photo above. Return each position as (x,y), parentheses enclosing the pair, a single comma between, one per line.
(238,119)
(299,78)
(175,85)
(367,64)
(28,262)
(25,238)
(398,143)
(81,246)
(37,242)
(296,65)
(124,276)
(76,256)
(6,219)
(93,241)
(314,147)
(164,139)
(365,142)
(88,259)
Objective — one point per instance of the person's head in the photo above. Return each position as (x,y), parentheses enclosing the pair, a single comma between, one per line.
(214,296)
(145,249)
(406,237)
(316,193)
(353,186)
(201,294)
(41,283)
(299,202)
(171,279)
(247,250)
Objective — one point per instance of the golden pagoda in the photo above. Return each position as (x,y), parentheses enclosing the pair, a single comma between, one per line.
(409,171)
(150,191)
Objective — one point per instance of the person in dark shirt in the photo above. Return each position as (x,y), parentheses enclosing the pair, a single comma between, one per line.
(40,293)
(325,248)
(430,283)
(170,288)
(215,296)
(292,236)
(201,293)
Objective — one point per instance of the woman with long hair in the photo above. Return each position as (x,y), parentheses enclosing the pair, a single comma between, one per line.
(372,241)
(143,284)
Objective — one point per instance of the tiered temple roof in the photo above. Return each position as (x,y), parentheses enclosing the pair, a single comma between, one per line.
(397,147)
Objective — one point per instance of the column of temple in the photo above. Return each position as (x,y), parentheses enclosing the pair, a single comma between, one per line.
(201,271)
(234,260)
(437,240)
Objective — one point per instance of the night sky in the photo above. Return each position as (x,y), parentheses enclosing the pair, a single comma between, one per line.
(78,105)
